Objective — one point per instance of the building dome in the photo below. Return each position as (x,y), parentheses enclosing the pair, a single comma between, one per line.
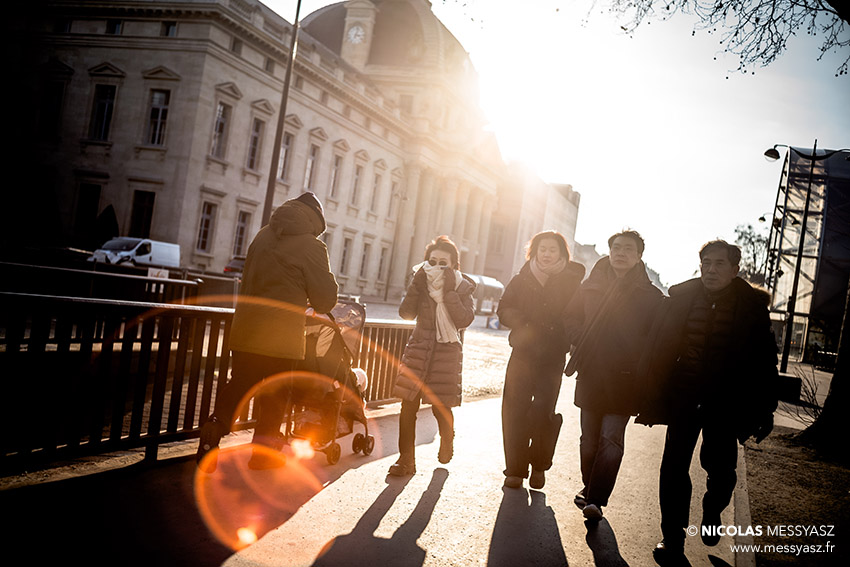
(405,34)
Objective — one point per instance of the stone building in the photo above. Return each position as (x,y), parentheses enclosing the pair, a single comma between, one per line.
(164,114)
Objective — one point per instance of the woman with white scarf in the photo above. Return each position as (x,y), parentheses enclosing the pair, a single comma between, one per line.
(440,299)
(532,307)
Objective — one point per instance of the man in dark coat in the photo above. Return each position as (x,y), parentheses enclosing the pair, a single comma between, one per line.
(608,321)
(286,269)
(711,369)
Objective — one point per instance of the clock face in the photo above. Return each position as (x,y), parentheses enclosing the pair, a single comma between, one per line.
(356,34)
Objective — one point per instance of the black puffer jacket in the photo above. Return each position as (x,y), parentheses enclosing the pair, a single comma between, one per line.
(732,373)
(533,312)
(608,321)
(429,369)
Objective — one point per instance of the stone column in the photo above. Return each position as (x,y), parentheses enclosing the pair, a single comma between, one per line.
(404,233)
(448,207)
(486,214)
(473,224)
(461,203)
(422,233)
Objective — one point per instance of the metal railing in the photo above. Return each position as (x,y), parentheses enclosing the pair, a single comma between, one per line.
(86,376)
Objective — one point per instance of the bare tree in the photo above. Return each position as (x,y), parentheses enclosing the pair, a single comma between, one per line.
(757,31)
(753,253)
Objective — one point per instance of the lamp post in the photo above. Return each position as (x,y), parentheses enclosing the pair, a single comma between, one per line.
(281,121)
(772,154)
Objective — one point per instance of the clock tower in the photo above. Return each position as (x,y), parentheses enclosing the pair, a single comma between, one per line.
(357,34)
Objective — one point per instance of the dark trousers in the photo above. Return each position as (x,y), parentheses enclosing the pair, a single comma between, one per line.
(718,457)
(248,371)
(529,425)
(407,426)
(601,450)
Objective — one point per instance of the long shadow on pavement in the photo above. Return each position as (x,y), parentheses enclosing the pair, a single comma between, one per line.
(603,543)
(117,517)
(526,532)
(362,547)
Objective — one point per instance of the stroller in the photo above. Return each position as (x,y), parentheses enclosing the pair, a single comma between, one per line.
(324,405)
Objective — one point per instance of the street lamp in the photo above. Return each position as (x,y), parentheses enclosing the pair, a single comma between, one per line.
(281,121)
(772,154)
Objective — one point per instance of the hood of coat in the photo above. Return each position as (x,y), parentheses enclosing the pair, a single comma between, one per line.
(295,217)
(602,273)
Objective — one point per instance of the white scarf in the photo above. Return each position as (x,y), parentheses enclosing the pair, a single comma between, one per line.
(446,330)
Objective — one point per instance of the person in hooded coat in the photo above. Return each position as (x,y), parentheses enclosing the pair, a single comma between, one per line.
(439,297)
(286,269)
(608,322)
(531,307)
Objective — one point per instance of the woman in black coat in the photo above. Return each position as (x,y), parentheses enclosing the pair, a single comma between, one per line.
(440,299)
(531,307)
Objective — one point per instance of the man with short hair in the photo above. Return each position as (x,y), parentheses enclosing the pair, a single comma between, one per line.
(711,369)
(608,321)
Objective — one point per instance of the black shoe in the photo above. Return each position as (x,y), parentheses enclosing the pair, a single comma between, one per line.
(710,520)
(402,468)
(262,459)
(446,448)
(211,433)
(670,555)
(580,501)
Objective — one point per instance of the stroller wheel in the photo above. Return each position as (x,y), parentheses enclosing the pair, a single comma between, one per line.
(358,443)
(368,445)
(333,452)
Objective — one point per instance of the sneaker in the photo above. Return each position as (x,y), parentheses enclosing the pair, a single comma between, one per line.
(580,501)
(446,448)
(710,538)
(513,482)
(592,513)
(403,467)
(537,480)
(211,433)
(670,555)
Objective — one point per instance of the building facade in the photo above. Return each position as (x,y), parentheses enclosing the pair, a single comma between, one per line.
(158,119)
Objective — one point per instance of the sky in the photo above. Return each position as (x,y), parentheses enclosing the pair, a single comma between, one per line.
(657,132)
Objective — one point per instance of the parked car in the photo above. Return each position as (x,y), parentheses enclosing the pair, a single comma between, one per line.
(138,252)
(235,266)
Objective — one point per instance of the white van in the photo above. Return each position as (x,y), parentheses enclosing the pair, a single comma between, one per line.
(138,252)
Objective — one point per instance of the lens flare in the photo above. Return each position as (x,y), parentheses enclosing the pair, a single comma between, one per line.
(302,449)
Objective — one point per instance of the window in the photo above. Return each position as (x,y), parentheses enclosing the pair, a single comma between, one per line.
(299,82)
(358,172)
(222,123)
(158,116)
(168,29)
(326,238)
(324,97)
(101,114)
(336,170)
(243,223)
(142,213)
(405,101)
(236,46)
(364,260)
(255,144)
(382,263)
(269,65)
(205,230)
(283,162)
(346,252)
(310,170)
(113,27)
(376,188)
